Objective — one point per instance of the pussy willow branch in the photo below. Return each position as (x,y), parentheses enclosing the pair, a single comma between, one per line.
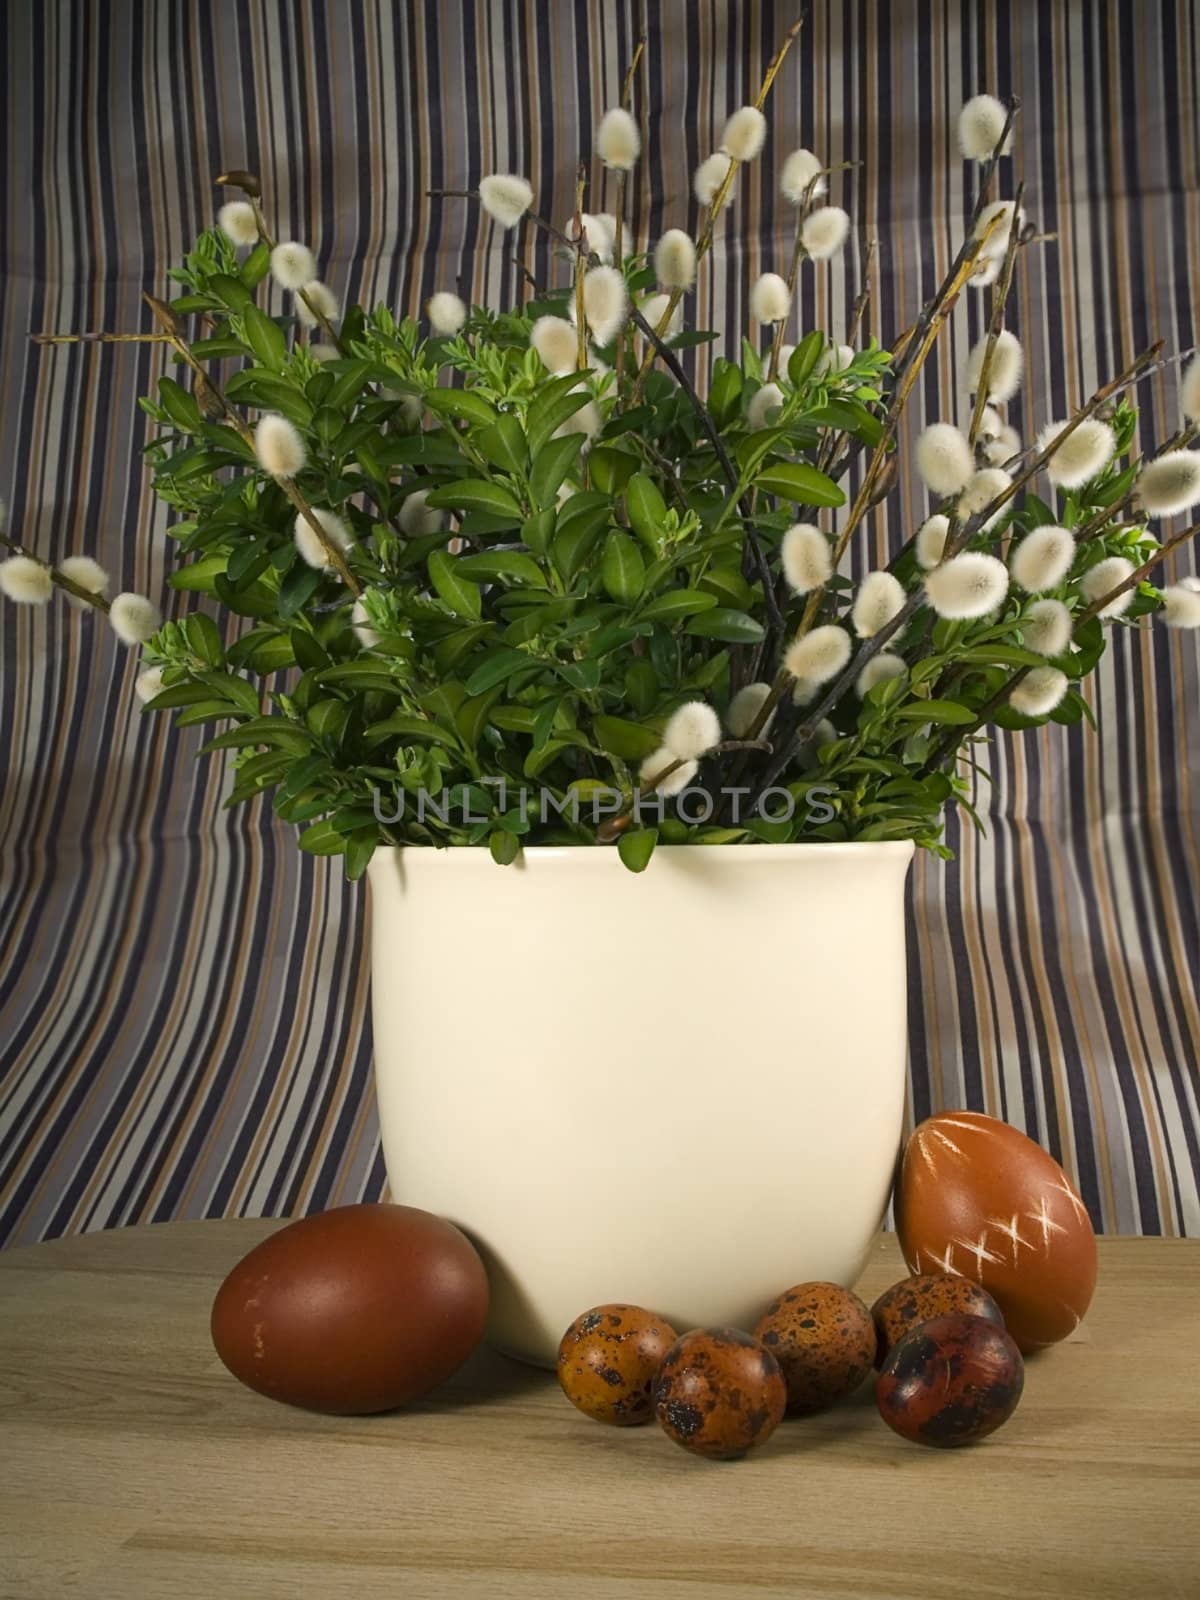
(704,243)
(165,318)
(948,743)
(59,579)
(1095,526)
(581,260)
(99,338)
(864,293)
(656,343)
(621,179)
(999,297)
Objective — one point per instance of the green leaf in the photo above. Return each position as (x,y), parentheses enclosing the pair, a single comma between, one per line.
(477,494)
(404,726)
(936,711)
(503,443)
(805,357)
(206,711)
(538,531)
(734,627)
(204,639)
(505,847)
(459,593)
(628,740)
(793,480)
(552,466)
(266,338)
(641,685)
(497,668)
(276,731)
(677,603)
(301,775)
(297,589)
(580,523)
(256,265)
(622,570)
(360,847)
(179,694)
(553,405)
(322,839)
(461,405)
(646,510)
(636,848)
(493,565)
(179,405)
(609,468)
(197,577)
(725,392)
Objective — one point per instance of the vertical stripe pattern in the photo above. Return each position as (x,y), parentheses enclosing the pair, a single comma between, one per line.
(184,1022)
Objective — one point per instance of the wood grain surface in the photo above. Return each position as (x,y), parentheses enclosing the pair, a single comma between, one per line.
(133,1465)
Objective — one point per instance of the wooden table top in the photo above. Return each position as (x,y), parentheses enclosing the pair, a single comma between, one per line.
(132,1464)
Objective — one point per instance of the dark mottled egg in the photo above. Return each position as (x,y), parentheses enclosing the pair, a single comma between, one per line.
(950,1381)
(357,1309)
(823,1339)
(608,1360)
(912,1301)
(719,1393)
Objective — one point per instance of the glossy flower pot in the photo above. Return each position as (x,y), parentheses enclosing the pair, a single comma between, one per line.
(682,1089)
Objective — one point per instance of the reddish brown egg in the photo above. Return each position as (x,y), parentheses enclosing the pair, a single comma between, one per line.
(978,1198)
(719,1393)
(824,1341)
(912,1301)
(358,1309)
(608,1360)
(950,1381)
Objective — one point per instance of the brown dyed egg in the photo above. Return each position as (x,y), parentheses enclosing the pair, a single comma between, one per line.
(358,1309)
(719,1393)
(608,1360)
(824,1341)
(950,1381)
(979,1199)
(912,1301)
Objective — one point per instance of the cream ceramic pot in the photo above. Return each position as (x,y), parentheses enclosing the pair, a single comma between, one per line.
(682,1089)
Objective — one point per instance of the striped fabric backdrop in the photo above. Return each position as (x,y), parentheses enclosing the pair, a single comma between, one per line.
(184,1022)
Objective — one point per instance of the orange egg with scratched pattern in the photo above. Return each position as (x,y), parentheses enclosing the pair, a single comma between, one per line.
(980,1199)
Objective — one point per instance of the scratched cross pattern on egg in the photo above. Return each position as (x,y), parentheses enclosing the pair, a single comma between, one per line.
(979,1199)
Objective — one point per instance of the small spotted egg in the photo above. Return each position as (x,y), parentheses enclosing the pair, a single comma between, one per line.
(824,1340)
(719,1393)
(950,1381)
(912,1301)
(608,1360)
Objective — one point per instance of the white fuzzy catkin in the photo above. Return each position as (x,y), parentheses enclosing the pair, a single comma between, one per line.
(770,298)
(836,358)
(417,517)
(1170,483)
(824,231)
(618,140)
(1042,559)
(1003,447)
(1082,455)
(324,352)
(806,558)
(987,270)
(997,241)
(1189,390)
(309,543)
(878,670)
(743,709)
(675,260)
(1099,580)
(692,731)
(980,124)
(88,574)
(819,655)
(587,421)
(1039,691)
(709,176)
(1046,628)
(944,458)
(363,631)
(322,302)
(654,309)
(238,223)
(745,134)
(966,586)
(762,401)
(823,733)
(880,598)
(674,782)
(798,171)
(292,265)
(1004,373)
(279,447)
(134,618)
(599,233)
(26,581)
(556,343)
(446,312)
(991,424)
(984,487)
(505,197)
(148,683)
(930,542)
(1181,606)
(605,302)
